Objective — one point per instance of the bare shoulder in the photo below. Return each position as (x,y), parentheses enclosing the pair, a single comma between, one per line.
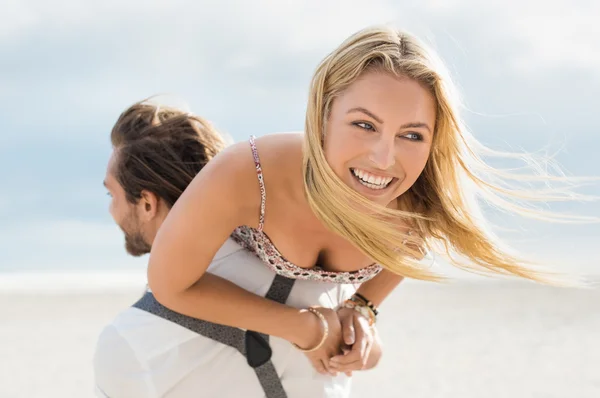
(281,157)
(222,196)
(282,143)
(230,177)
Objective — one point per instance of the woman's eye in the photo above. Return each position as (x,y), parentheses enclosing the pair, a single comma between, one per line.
(414,136)
(365,126)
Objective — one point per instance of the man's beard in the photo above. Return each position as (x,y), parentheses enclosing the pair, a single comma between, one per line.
(135,244)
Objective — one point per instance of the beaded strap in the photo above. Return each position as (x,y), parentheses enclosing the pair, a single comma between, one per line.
(261,183)
(362,309)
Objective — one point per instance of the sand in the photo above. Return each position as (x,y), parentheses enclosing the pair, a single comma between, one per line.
(463,340)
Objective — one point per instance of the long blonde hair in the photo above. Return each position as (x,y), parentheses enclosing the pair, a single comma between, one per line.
(442,206)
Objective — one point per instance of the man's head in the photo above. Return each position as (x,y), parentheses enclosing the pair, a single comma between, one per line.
(157,151)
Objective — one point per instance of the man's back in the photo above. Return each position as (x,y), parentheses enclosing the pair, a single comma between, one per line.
(143,355)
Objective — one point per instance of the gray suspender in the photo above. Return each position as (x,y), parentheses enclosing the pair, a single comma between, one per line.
(252,345)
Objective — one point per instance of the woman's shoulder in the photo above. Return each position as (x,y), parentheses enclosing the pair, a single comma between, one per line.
(280,145)
(280,157)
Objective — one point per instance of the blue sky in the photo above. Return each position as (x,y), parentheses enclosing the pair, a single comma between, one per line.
(529,72)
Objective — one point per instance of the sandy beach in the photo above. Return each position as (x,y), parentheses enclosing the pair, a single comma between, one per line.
(490,339)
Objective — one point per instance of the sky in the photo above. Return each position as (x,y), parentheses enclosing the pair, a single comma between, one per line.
(529,73)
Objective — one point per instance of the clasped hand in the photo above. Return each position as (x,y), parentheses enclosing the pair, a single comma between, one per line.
(351,343)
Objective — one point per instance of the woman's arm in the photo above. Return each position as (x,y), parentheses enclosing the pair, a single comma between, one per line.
(223,196)
(378,288)
(375,290)
(365,344)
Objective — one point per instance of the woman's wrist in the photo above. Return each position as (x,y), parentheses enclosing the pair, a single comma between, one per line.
(305,329)
(363,306)
(324,331)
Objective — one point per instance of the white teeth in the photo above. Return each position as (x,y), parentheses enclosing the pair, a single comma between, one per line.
(370,180)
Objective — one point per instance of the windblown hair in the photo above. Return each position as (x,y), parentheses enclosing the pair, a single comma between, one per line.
(161,149)
(442,207)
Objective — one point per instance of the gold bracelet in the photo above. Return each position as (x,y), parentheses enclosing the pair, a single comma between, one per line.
(325,331)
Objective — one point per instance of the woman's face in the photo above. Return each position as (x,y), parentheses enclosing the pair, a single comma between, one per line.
(378,135)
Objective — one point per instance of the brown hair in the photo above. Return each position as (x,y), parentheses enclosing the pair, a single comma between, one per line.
(161,149)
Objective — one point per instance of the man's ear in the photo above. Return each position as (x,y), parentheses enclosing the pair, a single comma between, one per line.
(148,205)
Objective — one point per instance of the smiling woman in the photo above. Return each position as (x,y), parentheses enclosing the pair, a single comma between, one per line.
(325,224)
(379,134)
(384,135)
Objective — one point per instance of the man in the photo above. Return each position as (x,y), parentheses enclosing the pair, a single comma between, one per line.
(157,151)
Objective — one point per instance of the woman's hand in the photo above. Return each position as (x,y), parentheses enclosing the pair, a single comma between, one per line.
(312,333)
(358,341)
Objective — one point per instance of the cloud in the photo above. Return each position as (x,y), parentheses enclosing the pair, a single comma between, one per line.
(72,66)
(556,34)
(79,64)
(539,35)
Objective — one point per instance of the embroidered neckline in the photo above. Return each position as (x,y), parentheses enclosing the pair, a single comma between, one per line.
(259,243)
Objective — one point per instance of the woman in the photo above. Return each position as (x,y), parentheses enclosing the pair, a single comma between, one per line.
(383,172)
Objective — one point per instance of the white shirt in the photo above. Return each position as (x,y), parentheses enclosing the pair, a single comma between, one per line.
(141,355)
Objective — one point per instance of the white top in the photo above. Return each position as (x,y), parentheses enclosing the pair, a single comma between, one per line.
(142,355)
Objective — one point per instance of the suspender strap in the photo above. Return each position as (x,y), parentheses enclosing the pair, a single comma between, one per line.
(252,345)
